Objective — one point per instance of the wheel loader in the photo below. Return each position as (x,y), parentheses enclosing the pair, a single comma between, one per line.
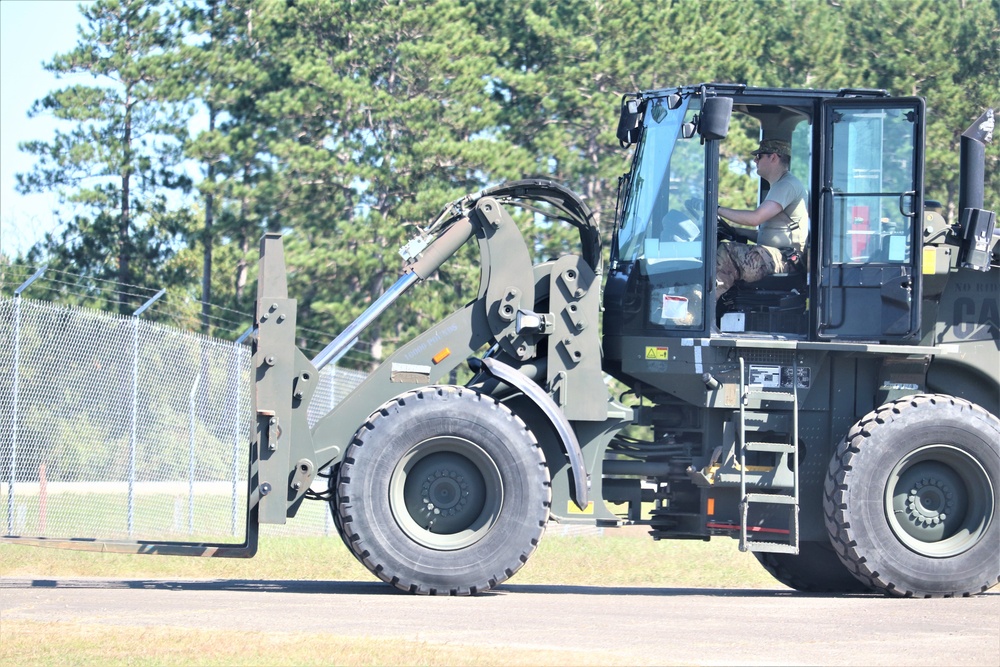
(840,419)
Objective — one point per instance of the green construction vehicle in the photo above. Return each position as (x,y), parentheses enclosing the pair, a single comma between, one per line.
(840,420)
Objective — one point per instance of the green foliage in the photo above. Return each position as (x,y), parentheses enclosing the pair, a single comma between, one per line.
(119,157)
(128,392)
(944,51)
(348,124)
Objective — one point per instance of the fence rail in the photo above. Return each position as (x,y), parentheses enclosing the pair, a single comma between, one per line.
(116,428)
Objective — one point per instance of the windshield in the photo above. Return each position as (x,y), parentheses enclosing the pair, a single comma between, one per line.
(667,181)
(663,220)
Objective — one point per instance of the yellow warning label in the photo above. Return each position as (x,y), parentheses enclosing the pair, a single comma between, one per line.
(930,259)
(571,508)
(658,353)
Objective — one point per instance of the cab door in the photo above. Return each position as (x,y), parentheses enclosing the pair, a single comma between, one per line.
(871,205)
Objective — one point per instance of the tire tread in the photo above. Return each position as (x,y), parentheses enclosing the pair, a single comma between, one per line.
(358,443)
(836,513)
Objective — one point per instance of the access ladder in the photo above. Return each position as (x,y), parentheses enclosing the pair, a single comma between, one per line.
(780,500)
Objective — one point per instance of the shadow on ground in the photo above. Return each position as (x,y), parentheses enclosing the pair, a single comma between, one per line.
(379,588)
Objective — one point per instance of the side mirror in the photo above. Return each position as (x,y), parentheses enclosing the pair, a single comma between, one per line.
(715,115)
(628,122)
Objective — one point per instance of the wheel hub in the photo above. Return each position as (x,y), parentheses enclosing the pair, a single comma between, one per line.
(939,501)
(446,493)
(929,502)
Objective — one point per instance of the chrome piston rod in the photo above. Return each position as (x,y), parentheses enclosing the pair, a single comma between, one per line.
(340,344)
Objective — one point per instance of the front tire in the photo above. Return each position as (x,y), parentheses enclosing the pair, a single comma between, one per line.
(911,499)
(443,491)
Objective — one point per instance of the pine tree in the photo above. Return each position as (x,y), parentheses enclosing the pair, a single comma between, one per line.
(227,68)
(945,51)
(384,116)
(118,159)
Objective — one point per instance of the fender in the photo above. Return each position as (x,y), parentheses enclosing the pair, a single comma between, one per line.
(567,437)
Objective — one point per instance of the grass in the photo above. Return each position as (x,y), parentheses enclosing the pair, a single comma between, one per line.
(33,643)
(621,557)
(155,516)
(629,557)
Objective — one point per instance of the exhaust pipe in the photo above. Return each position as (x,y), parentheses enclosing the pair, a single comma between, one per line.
(976,225)
(972,174)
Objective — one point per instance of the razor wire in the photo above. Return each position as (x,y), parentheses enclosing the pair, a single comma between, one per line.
(116,428)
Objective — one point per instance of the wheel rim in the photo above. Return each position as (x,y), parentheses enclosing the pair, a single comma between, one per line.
(446,493)
(939,501)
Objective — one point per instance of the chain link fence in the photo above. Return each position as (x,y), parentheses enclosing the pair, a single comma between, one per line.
(116,428)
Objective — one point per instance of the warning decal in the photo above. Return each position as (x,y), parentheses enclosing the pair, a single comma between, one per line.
(656,353)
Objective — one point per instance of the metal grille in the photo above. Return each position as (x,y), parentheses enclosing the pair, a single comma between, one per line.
(768,356)
(116,428)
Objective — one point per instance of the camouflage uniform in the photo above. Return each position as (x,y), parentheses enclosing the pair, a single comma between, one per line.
(750,263)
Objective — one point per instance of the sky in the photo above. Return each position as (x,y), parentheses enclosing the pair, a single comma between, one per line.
(31,33)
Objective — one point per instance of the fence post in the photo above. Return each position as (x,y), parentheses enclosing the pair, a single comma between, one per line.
(135,407)
(191,459)
(17,380)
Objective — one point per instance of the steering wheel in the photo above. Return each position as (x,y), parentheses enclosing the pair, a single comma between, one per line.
(695,207)
(725,231)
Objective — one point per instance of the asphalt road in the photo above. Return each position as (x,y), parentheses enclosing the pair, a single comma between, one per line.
(653,626)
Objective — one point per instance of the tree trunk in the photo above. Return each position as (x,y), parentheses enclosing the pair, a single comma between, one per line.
(124,268)
(242,266)
(207,240)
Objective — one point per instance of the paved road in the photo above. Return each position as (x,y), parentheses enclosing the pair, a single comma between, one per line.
(652,626)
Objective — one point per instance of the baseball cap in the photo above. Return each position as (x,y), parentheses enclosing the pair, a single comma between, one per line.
(774,146)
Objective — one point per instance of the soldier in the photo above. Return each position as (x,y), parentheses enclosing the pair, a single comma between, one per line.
(781,221)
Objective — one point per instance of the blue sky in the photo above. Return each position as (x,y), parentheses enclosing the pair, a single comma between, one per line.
(31,32)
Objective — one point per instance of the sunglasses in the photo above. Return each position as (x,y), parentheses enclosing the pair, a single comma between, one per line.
(758,156)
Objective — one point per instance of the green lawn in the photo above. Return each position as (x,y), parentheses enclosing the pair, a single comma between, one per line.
(619,557)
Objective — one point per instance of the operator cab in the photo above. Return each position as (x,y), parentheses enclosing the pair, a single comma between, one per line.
(859,156)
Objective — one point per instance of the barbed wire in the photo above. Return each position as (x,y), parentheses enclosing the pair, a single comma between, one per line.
(181,310)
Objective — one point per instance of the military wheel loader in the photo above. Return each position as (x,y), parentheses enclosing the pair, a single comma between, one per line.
(839,421)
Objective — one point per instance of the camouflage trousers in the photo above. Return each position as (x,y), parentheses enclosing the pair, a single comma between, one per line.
(741,261)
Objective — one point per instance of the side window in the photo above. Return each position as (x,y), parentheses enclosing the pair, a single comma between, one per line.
(873,174)
(740,186)
(802,155)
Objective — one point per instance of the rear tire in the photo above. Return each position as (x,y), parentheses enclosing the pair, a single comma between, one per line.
(911,498)
(443,491)
(816,569)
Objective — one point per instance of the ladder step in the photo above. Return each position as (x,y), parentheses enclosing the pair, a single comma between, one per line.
(772,547)
(784,396)
(779,447)
(772,498)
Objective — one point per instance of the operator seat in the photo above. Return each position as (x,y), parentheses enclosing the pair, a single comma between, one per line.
(774,304)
